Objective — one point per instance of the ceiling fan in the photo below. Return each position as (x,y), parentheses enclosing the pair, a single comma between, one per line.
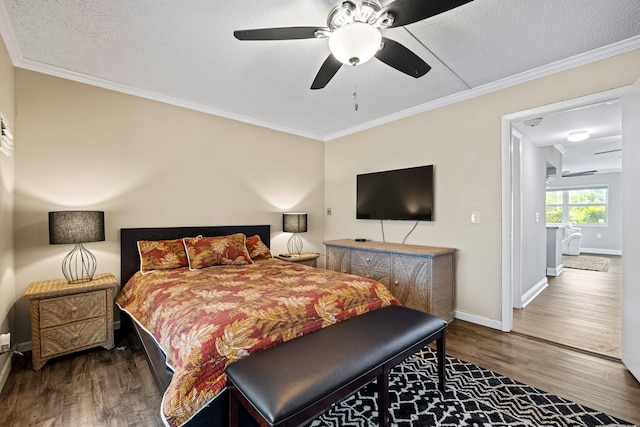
(567,174)
(354,33)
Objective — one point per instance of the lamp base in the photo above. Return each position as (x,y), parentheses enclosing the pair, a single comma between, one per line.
(79,265)
(294,245)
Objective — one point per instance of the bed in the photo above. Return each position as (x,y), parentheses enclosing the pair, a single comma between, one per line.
(302,298)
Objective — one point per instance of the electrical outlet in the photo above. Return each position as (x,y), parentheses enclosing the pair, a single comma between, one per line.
(475,217)
(5,342)
(328,211)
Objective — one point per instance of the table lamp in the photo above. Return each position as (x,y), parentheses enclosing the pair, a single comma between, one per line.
(294,223)
(77,227)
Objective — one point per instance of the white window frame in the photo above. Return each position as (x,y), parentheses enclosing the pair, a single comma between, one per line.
(566,205)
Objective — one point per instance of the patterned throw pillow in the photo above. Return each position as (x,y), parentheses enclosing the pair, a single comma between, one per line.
(203,252)
(161,255)
(257,249)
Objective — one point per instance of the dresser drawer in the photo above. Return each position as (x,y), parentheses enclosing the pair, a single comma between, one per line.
(71,308)
(62,339)
(338,259)
(371,260)
(378,275)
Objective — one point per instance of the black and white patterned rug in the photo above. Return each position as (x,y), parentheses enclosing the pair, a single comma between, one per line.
(473,397)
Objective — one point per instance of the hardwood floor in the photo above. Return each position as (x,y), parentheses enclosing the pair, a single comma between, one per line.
(115,388)
(90,389)
(590,380)
(580,309)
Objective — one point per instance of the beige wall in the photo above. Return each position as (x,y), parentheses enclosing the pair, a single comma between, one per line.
(7,275)
(463,142)
(147,164)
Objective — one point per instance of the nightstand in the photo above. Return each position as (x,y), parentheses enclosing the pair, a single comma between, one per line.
(66,318)
(303,258)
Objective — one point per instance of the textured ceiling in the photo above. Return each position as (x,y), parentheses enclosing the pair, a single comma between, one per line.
(602,152)
(185,53)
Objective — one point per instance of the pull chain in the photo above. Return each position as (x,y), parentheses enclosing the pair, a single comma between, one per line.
(355,89)
(355,98)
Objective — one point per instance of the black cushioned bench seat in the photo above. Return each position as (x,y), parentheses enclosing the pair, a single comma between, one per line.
(294,382)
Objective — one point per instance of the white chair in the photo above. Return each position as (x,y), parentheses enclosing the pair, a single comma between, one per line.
(571,240)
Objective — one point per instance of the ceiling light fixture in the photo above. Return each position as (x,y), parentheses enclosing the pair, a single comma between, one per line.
(580,135)
(355,43)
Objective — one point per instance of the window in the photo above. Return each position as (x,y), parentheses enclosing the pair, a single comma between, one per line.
(587,205)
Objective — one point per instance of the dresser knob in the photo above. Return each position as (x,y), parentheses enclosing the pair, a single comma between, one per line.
(344,271)
(368,259)
(368,276)
(74,309)
(395,282)
(76,336)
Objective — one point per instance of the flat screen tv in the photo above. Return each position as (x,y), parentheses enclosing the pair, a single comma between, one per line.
(401,194)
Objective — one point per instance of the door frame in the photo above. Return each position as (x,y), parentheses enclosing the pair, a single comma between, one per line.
(512,192)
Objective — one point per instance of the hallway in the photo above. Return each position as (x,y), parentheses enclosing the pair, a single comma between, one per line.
(579,309)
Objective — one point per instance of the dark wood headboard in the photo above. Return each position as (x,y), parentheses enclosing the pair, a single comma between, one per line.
(130,259)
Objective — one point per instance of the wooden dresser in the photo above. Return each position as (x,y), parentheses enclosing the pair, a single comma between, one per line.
(420,277)
(66,318)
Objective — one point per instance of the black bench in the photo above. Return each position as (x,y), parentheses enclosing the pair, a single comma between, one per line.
(294,382)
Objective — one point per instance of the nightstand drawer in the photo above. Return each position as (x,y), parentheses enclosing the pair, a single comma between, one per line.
(62,310)
(370,259)
(74,336)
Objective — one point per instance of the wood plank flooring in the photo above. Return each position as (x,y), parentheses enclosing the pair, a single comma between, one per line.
(594,381)
(114,388)
(90,389)
(580,309)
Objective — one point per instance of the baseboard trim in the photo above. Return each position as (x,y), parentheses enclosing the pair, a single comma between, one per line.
(584,251)
(6,369)
(532,293)
(555,271)
(478,320)
(24,346)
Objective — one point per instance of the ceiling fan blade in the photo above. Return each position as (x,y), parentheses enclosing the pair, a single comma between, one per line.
(329,69)
(287,33)
(583,173)
(402,59)
(407,12)
(608,151)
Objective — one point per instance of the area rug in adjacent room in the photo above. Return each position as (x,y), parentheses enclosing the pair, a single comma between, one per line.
(474,397)
(586,262)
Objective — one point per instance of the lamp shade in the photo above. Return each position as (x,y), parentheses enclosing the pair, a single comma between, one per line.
(294,222)
(67,227)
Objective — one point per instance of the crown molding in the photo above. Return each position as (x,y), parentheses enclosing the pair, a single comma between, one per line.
(155,96)
(11,43)
(9,35)
(536,73)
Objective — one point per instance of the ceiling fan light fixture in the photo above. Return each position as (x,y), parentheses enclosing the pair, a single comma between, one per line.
(580,135)
(355,43)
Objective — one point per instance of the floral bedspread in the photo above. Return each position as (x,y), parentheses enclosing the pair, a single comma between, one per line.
(205,319)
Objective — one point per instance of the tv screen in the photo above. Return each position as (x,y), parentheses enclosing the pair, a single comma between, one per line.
(401,194)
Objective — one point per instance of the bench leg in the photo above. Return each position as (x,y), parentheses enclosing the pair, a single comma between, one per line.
(233,410)
(441,362)
(383,399)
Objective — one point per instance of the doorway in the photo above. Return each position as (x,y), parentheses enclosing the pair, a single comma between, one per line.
(512,257)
